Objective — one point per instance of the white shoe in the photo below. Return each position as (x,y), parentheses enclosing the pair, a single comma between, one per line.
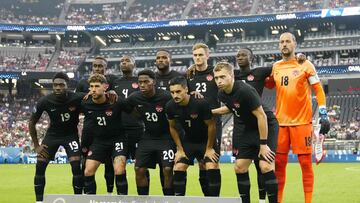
(262,201)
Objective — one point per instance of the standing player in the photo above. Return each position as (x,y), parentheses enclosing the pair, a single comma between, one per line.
(156,144)
(202,81)
(164,73)
(103,122)
(294,112)
(99,66)
(255,142)
(125,86)
(63,108)
(255,77)
(194,115)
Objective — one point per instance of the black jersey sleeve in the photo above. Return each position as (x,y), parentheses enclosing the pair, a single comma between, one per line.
(205,109)
(39,108)
(169,110)
(82,86)
(250,98)
(265,72)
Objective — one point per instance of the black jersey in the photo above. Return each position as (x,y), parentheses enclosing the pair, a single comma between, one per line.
(204,82)
(63,113)
(152,112)
(83,85)
(102,120)
(255,77)
(242,101)
(191,117)
(162,81)
(123,88)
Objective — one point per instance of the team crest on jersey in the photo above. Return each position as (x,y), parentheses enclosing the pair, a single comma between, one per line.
(135,85)
(108,112)
(236,104)
(159,108)
(209,77)
(296,73)
(250,77)
(89,153)
(194,115)
(72,108)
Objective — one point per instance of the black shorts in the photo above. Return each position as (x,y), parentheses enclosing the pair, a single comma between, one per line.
(250,149)
(70,143)
(196,151)
(133,138)
(101,149)
(151,152)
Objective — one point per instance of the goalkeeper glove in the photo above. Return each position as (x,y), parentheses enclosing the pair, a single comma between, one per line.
(324,120)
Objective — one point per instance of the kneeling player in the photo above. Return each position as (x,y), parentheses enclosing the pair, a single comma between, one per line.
(196,119)
(255,142)
(103,122)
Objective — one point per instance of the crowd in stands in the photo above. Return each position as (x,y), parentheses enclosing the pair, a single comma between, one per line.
(95,13)
(348,130)
(343,3)
(14,118)
(68,60)
(23,12)
(270,6)
(218,8)
(28,63)
(143,10)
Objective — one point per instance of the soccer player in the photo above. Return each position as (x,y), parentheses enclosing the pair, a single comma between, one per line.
(125,86)
(201,80)
(63,108)
(156,144)
(196,119)
(294,112)
(163,75)
(103,123)
(99,66)
(164,72)
(254,140)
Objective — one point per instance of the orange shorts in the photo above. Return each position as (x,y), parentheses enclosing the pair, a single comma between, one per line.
(298,137)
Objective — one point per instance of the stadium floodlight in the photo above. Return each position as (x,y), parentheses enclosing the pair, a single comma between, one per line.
(117,40)
(71,75)
(58,37)
(274,32)
(314,29)
(229,34)
(141,39)
(299,32)
(216,37)
(191,36)
(100,40)
(166,38)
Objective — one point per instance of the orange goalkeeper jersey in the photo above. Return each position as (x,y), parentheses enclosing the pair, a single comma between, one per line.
(293,91)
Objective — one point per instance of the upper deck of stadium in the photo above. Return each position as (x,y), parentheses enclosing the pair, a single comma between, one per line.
(76,12)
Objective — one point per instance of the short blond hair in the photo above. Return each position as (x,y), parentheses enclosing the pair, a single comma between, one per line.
(97,78)
(201,45)
(224,65)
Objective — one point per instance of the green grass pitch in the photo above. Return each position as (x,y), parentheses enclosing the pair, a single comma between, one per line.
(334,182)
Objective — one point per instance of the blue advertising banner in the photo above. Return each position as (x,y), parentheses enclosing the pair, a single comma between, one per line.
(12,155)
